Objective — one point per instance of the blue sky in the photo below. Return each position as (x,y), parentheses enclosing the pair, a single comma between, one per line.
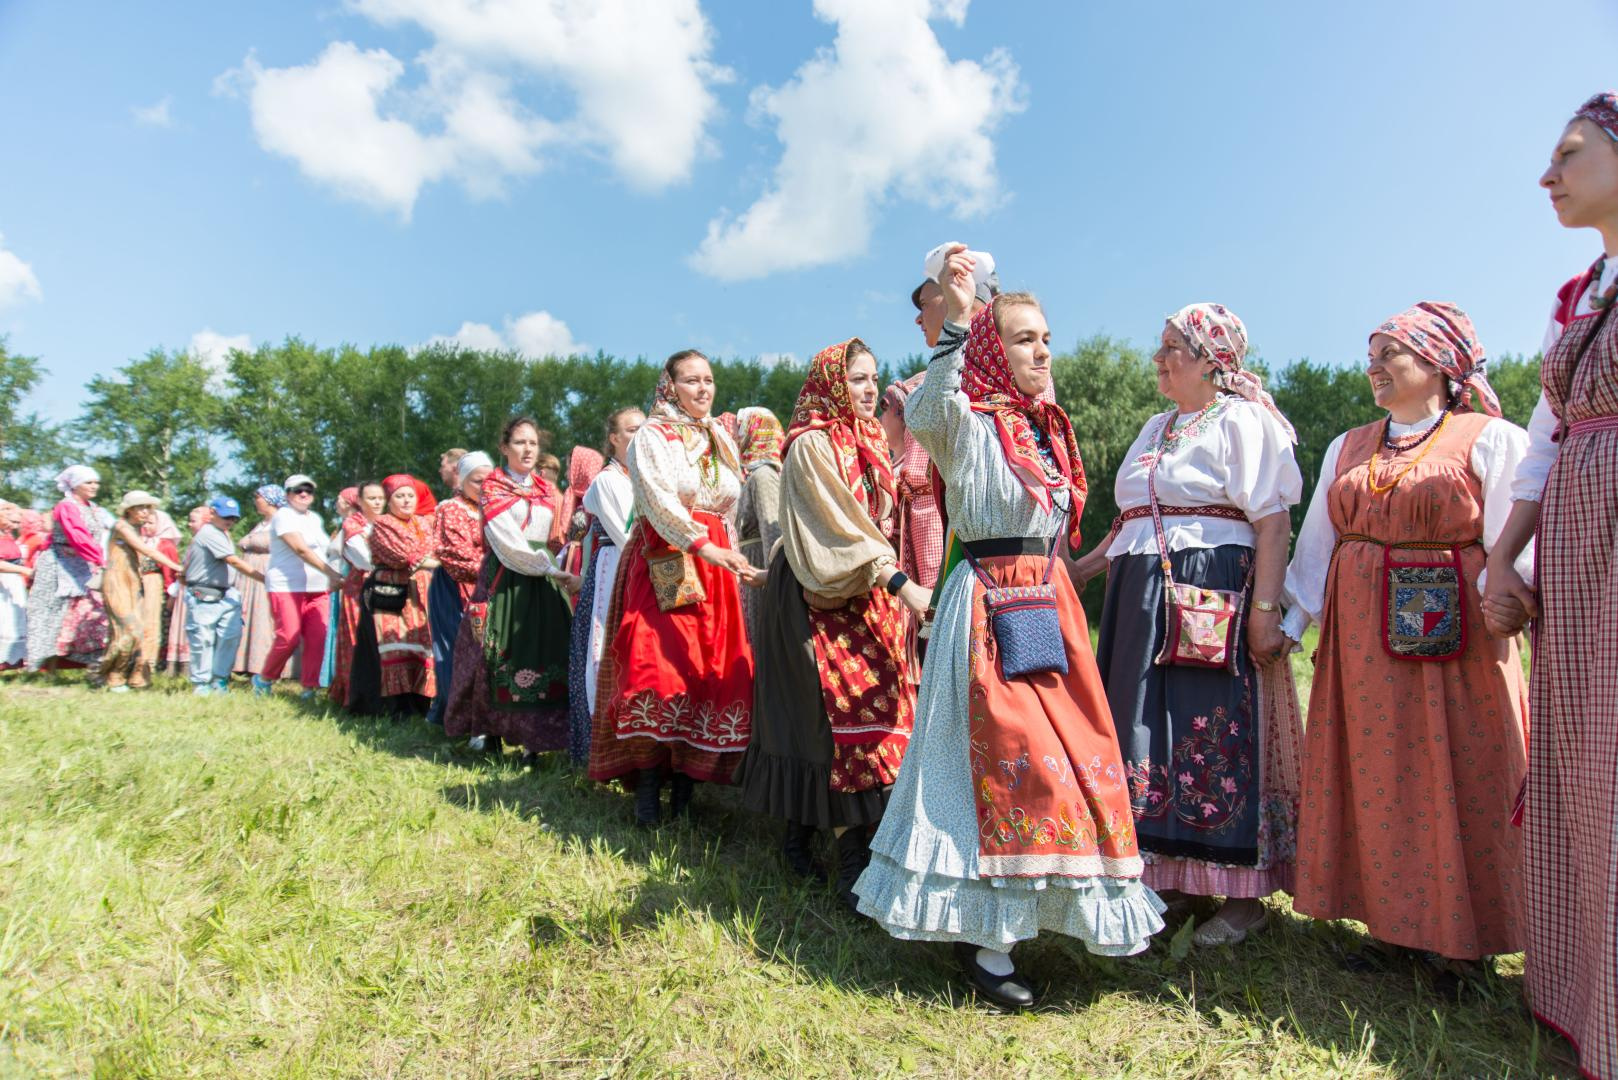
(757,179)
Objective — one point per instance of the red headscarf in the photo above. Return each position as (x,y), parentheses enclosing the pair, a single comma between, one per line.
(1023,422)
(1442,335)
(862,448)
(402,480)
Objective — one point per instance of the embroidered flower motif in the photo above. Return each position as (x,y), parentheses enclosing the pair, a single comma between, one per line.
(526,678)
(1199,722)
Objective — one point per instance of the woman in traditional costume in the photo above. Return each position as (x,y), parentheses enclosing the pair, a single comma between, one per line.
(584,463)
(833,702)
(15,574)
(458,545)
(1011,813)
(132,568)
(1415,751)
(67,620)
(402,552)
(1209,725)
(609,503)
(1567,488)
(921,526)
(511,652)
(258,625)
(758,515)
(676,683)
(356,675)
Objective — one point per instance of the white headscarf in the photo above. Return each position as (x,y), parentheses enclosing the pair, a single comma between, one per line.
(469,464)
(74,475)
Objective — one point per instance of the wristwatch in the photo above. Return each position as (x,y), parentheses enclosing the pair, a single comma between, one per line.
(1265,605)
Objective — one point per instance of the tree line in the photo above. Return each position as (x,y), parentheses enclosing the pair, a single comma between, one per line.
(171,424)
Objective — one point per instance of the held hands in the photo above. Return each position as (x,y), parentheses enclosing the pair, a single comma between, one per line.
(1266,644)
(1508,601)
(571,583)
(735,562)
(957,284)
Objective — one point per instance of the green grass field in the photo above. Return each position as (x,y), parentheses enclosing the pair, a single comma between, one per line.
(242,888)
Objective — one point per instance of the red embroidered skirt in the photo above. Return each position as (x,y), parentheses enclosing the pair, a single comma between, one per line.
(865,687)
(676,687)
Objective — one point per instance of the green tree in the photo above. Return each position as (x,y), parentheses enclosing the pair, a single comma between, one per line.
(151,426)
(1322,402)
(1516,380)
(32,450)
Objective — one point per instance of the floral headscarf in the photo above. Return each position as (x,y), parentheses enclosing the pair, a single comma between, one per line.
(763,440)
(666,410)
(1024,424)
(862,448)
(274,494)
(74,475)
(1216,334)
(1602,110)
(1442,335)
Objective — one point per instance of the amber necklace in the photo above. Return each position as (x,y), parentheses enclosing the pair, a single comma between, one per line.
(1370,476)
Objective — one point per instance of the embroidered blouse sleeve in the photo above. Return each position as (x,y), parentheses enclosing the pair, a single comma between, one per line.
(831,543)
(78,534)
(1311,556)
(657,460)
(1497,457)
(459,541)
(1263,477)
(505,536)
(939,413)
(610,499)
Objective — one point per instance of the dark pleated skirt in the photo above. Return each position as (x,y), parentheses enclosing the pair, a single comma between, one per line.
(786,772)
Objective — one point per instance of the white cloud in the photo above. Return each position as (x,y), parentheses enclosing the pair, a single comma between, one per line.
(214,348)
(883,112)
(17,280)
(771,359)
(638,71)
(156,114)
(535,335)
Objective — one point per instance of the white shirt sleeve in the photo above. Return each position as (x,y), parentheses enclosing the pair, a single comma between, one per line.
(1305,588)
(611,498)
(1263,477)
(1535,465)
(506,540)
(1497,458)
(357,550)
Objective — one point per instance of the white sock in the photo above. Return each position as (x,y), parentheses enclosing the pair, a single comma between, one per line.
(996,962)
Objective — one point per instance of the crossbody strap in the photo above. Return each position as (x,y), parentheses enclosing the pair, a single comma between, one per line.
(1050,557)
(1157,512)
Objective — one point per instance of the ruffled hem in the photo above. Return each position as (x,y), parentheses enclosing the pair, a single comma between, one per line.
(800,791)
(1112,917)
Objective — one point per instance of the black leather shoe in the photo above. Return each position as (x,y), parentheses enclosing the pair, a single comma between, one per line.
(853,853)
(649,798)
(1008,992)
(680,791)
(795,850)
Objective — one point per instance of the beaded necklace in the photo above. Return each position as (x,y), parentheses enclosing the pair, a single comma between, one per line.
(1370,474)
(1401,443)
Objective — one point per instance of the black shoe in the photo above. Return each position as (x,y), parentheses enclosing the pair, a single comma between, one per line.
(795,850)
(649,798)
(853,852)
(681,788)
(1008,992)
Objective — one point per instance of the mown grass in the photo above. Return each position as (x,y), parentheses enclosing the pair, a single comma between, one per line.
(241,888)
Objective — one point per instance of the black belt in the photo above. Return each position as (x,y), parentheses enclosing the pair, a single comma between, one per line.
(1007,545)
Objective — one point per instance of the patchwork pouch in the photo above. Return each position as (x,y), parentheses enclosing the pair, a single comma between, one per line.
(1204,625)
(1422,614)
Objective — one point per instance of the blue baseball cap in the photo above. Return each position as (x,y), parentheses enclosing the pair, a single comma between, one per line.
(225,506)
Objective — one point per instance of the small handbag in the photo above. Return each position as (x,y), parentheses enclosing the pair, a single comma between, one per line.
(675,580)
(1023,622)
(1423,616)
(381,594)
(1203,626)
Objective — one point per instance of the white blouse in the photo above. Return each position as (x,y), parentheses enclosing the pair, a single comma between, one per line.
(357,550)
(1536,465)
(1496,457)
(610,499)
(670,481)
(519,536)
(1242,458)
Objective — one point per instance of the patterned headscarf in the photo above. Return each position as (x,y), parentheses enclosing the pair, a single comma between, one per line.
(74,475)
(274,494)
(862,447)
(1442,335)
(1216,334)
(1022,423)
(1602,110)
(583,465)
(763,440)
(349,495)
(666,409)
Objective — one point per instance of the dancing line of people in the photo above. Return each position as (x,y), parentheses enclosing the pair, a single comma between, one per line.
(866,619)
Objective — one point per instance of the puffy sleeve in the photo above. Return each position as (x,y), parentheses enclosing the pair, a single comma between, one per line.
(357,550)
(611,499)
(938,413)
(459,539)
(504,533)
(397,546)
(1497,458)
(833,546)
(1311,556)
(1540,454)
(79,537)
(1263,477)
(657,460)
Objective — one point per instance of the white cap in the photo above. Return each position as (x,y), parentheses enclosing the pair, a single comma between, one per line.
(136,498)
(983,275)
(296,479)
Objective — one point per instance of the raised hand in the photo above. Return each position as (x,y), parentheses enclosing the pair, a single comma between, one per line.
(956,282)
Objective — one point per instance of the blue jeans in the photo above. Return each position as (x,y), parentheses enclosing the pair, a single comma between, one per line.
(213,629)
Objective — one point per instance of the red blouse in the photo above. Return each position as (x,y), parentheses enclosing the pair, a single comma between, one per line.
(458,538)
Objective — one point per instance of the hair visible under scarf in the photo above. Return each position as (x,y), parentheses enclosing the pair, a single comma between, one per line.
(762,440)
(1442,335)
(1216,334)
(74,475)
(666,409)
(824,405)
(1602,111)
(274,494)
(1023,423)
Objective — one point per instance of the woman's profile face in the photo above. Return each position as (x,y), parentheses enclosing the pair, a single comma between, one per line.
(1398,376)
(1582,178)
(1179,369)
(624,433)
(262,505)
(473,488)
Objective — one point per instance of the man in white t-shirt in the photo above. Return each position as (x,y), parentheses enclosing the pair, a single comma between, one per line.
(297,581)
